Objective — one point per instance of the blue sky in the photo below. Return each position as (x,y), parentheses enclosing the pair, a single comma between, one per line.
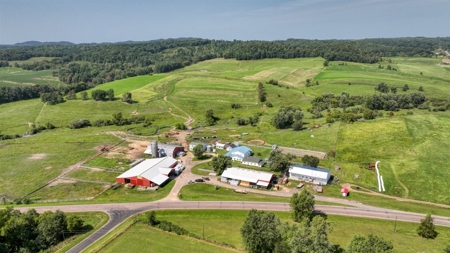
(84,21)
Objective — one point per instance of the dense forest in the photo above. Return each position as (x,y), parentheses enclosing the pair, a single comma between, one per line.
(93,64)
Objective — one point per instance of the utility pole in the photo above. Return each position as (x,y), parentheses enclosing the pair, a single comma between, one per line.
(395,225)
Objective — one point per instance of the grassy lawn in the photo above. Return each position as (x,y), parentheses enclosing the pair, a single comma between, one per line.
(142,238)
(380,201)
(92,222)
(133,195)
(204,192)
(224,226)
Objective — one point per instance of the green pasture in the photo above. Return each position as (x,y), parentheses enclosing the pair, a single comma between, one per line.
(142,238)
(96,175)
(224,226)
(412,150)
(290,71)
(384,202)
(28,163)
(320,139)
(129,84)
(69,190)
(11,77)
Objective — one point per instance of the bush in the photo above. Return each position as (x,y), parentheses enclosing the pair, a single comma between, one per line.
(79,123)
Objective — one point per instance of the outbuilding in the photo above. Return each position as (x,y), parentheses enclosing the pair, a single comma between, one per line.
(253,161)
(245,177)
(306,173)
(169,150)
(149,173)
(193,144)
(344,192)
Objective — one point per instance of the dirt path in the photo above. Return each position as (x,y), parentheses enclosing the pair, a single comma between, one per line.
(189,121)
(370,192)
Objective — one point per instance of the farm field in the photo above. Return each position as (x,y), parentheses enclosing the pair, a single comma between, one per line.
(402,143)
(10,76)
(224,226)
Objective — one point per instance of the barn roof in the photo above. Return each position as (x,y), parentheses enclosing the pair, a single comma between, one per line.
(155,170)
(238,152)
(310,171)
(252,159)
(252,176)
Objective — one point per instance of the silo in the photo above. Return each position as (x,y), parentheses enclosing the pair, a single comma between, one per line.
(154,146)
(209,148)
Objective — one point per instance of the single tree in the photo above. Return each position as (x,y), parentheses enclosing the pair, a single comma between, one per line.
(74,223)
(325,63)
(393,89)
(71,95)
(126,97)
(309,160)
(280,162)
(220,163)
(420,88)
(312,236)
(84,95)
(110,94)
(150,218)
(302,205)
(369,244)
(209,117)
(426,228)
(260,232)
(405,87)
(198,150)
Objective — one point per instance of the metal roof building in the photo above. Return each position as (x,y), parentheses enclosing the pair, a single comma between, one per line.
(253,161)
(149,173)
(306,173)
(246,177)
(165,150)
(239,153)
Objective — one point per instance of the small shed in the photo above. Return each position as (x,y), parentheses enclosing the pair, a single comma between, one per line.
(344,192)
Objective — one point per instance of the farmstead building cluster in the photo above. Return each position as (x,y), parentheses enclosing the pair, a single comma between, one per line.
(150,172)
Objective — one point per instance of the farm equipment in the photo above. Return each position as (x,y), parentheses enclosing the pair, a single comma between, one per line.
(367,165)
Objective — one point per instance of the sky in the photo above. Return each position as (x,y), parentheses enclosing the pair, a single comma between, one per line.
(87,21)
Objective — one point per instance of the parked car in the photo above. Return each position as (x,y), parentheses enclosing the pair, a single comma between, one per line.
(190,182)
(199,180)
(205,178)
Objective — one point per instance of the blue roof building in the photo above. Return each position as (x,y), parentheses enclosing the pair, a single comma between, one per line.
(239,153)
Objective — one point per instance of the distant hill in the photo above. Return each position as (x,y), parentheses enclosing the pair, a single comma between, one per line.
(38,43)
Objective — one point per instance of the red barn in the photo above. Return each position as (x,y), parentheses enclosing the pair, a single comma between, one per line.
(150,172)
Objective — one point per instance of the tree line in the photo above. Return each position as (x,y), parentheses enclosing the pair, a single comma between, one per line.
(95,64)
(34,232)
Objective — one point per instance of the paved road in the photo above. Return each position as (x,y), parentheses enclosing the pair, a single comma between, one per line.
(120,212)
